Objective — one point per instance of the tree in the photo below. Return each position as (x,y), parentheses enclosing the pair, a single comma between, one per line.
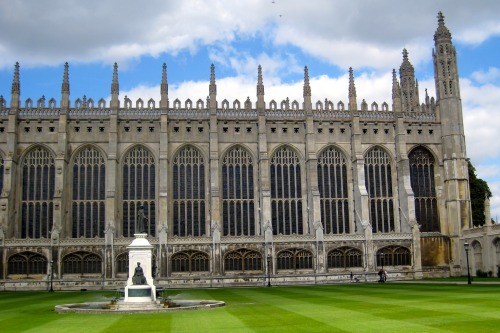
(479,190)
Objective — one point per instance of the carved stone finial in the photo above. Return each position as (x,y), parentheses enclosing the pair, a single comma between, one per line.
(260,84)
(212,87)
(164,84)
(396,92)
(307,87)
(65,83)
(442,32)
(115,89)
(352,87)
(16,86)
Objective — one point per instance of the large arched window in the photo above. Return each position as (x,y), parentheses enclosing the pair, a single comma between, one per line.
(424,189)
(139,189)
(286,194)
(82,263)
(243,260)
(332,185)
(293,259)
(122,263)
(378,181)
(89,174)
(188,185)
(393,256)
(27,263)
(238,205)
(37,194)
(345,257)
(190,261)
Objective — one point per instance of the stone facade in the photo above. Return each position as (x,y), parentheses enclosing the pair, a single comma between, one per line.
(238,193)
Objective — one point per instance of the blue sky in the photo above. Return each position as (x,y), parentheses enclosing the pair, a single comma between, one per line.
(283,36)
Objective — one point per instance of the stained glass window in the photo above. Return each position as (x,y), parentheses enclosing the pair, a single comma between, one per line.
(139,189)
(345,257)
(37,194)
(332,185)
(293,259)
(286,194)
(188,185)
(424,189)
(238,203)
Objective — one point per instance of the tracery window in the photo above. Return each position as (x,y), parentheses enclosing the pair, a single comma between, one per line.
(393,256)
(332,185)
(478,256)
(82,263)
(27,263)
(89,174)
(286,194)
(378,181)
(238,203)
(122,263)
(188,179)
(243,260)
(293,259)
(345,257)
(190,261)
(139,189)
(37,194)
(424,189)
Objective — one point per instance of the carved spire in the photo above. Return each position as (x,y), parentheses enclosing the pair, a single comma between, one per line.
(65,88)
(16,86)
(352,87)
(442,33)
(396,93)
(353,105)
(164,88)
(260,92)
(65,83)
(307,87)
(213,86)
(164,84)
(260,84)
(115,88)
(409,86)
(16,90)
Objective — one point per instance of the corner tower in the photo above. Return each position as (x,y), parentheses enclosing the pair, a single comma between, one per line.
(454,154)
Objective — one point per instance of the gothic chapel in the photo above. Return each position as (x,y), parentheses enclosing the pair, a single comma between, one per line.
(236,193)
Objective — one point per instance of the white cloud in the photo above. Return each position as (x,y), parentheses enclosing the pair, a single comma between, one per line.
(491,75)
(346,33)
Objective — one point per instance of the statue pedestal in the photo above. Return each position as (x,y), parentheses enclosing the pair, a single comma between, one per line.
(140,251)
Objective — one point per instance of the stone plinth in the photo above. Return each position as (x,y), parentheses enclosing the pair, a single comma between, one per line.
(140,251)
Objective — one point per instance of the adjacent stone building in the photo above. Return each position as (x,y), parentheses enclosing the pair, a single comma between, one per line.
(236,193)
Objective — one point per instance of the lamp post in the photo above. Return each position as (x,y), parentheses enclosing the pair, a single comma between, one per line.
(268,270)
(466,247)
(51,290)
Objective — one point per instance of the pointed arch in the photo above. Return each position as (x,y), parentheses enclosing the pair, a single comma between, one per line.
(332,185)
(286,192)
(378,182)
(2,170)
(37,193)
(188,191)
(422,164)
(345,257)
(190,261)
(243,260)
(27,263)
(139,189)
(394,255)
(82,262)
(89,185)
(238,199)
(294,259)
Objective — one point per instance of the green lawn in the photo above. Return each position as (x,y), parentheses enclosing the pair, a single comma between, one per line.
(372,307)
